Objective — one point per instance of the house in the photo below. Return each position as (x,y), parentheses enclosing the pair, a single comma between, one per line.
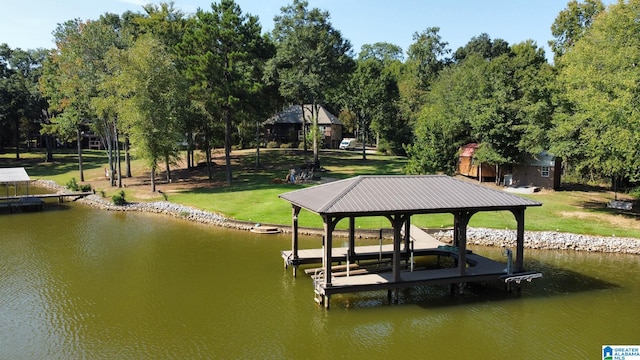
(287,126)
(542,170)
(467,166)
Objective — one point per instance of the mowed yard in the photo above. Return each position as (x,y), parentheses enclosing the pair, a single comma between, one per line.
(253,195)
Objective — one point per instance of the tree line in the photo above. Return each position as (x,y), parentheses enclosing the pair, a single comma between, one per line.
(159,79)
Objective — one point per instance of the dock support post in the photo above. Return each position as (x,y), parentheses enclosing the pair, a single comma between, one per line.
(519,215)
(295,210)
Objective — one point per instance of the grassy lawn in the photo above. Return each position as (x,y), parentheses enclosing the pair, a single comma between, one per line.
(253,196)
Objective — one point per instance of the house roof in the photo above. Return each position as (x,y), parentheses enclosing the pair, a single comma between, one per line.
(377,195)
(469,149)
(13,175)
(293,115)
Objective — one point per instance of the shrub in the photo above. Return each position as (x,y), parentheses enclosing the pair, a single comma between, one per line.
(118,199)
(85,187)
(635,192)
(73,185)
(272,145)
(285,146)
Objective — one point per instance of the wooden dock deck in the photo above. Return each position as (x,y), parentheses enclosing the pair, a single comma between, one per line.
(35,202)
(23,204)
(423,244)
(360,278)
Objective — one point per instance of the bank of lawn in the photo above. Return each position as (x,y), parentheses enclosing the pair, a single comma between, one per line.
(253,196)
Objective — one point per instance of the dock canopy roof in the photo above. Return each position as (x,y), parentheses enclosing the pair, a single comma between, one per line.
(13,175)
(379,195)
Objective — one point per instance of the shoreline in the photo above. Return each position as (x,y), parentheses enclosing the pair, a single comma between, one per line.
(544,240)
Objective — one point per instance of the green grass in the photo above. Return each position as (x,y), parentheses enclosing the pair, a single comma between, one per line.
(253,196)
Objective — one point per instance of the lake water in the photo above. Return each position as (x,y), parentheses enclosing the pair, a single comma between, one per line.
(78,283)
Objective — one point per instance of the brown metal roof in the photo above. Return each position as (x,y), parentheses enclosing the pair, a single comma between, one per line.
(371,195)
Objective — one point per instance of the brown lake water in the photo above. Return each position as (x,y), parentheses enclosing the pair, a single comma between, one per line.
(79,283)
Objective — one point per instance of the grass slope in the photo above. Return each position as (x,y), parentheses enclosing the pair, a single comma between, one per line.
(253,195)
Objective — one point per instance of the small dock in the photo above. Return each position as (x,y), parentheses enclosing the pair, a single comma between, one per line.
(20,203)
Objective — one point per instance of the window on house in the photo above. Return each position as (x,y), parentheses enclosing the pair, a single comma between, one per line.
(544,171)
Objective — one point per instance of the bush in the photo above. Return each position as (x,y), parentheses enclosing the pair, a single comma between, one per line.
(285,146)
(73,185)
(85,187)
(635,192)
(118,199)
(273,145)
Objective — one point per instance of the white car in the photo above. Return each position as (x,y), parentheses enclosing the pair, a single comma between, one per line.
(348,144)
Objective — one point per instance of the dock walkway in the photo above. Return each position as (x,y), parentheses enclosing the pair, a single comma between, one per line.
(423,244)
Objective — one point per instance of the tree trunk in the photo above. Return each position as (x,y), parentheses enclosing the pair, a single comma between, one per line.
(166,163)
(304,129)
(127,158)
(109,148)
(18,140)
(48,140)
(79,141)
(364,142)
(153,179)
(314,120)
(117,149)
(227,145)
(207,146)
(190,151)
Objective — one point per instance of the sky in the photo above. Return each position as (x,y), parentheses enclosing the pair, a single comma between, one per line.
(28,24)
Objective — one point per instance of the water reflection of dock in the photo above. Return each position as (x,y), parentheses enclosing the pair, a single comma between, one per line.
(398,198)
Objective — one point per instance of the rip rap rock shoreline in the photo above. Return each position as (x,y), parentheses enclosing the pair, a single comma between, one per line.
(545,240)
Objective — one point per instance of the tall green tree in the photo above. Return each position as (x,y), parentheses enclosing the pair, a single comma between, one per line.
(21,103)
(226,56)
(151,89)
(502,103)
(72,74)
(599,132)
(572,23)
(311,61)
(372,94)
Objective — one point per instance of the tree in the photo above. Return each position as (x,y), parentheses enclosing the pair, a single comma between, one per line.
(151,89)
(426,58)
(312,59)
(572,23)
(482,45)
(226,54)
(383,51)
(599,129)
(21,103)
(503,103)
(372,94)
(72,74)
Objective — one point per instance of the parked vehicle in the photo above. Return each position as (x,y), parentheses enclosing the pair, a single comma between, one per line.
(348,144)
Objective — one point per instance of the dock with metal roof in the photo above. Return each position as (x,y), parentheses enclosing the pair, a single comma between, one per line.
(398,198)
(16,177)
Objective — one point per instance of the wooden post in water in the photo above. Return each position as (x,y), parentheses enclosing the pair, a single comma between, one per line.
(295,211)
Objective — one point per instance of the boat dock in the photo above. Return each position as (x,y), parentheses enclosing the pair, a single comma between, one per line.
(20,203)
(406,262)
(17,177)
(369,269)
